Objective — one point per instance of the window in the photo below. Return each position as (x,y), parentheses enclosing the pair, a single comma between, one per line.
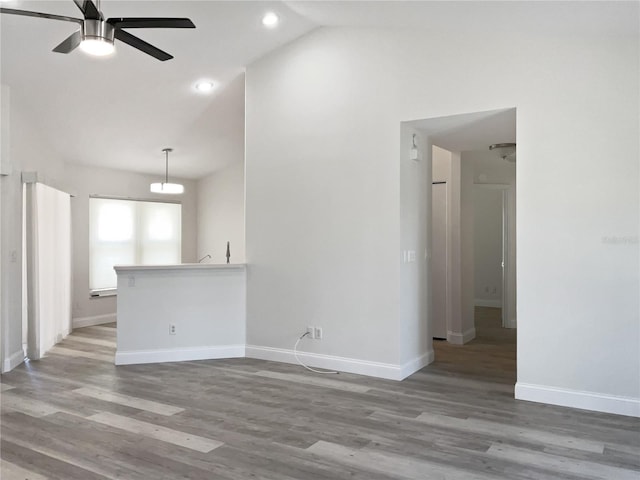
(130,232)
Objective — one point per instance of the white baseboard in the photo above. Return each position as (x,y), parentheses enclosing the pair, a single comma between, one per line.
(342,364)
(461,338)
(12,361)
(412,366)
(578,399)
(91,321)
(484,302)
(511,323)
(179,354)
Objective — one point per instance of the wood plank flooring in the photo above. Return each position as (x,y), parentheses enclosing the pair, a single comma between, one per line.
(74,415)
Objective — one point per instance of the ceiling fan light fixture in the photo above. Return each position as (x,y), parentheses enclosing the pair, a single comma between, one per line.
(97,38)
(97,47)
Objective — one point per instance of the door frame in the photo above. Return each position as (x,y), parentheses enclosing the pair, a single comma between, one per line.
(447,272)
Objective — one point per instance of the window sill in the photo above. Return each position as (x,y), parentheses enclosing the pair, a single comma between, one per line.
(104,292)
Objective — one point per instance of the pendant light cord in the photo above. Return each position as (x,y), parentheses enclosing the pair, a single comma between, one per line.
(166,160)
(166,168)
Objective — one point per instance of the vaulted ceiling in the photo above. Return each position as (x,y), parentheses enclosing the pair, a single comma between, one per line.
(120,111)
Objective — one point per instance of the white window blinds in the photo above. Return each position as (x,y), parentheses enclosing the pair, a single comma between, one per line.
(130,232)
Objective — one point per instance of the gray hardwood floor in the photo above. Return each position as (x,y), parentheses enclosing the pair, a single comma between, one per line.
(74,415)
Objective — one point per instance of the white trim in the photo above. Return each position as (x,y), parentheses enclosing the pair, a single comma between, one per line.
(351,365)
(94,320)
(412,366)
(180,266)
(13,361)
(179,354)
(481,302)
(103,292)
(511,323)
(461,338)
(578,399)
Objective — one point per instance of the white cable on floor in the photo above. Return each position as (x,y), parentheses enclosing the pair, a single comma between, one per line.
(295,353)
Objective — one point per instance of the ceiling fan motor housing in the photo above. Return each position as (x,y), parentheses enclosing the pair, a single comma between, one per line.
(98,30)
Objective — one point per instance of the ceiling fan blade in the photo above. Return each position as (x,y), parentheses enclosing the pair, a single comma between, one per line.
(141,45)
(88,9)
(26,13)
(151,22)
(70,43)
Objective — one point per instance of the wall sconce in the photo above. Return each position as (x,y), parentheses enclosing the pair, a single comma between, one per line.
(413,153)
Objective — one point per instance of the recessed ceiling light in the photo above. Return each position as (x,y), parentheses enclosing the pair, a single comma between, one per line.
(270,20)
(205,86)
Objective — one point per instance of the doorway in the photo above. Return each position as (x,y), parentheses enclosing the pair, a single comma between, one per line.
(457,159)
(491,252)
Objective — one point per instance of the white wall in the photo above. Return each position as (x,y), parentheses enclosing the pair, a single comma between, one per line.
(10,241)
(221,214)
(415,239)
(323,192)
(487,239)
(322,201)
(205,303)
(441,161)
(467,211)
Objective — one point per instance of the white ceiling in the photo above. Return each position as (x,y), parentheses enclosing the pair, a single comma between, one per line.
(122,110)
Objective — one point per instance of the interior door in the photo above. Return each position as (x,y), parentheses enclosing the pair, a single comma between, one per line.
(439,260)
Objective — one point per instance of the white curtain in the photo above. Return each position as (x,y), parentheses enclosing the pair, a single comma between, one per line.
(48,249)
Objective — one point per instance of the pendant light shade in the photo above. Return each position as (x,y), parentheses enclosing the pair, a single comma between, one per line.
(169,188)
(166,187)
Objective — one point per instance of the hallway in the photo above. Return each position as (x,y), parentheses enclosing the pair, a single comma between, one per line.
(489,356)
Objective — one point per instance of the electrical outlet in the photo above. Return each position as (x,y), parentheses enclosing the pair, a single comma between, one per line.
(318,333)
(312,332)
(172,329)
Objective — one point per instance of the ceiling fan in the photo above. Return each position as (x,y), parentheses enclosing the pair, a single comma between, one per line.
(97,35)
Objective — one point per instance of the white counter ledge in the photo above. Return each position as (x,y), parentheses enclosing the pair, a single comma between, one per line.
(190,311)
(180,266)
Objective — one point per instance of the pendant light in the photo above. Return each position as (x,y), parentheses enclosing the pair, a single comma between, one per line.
(166,187)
